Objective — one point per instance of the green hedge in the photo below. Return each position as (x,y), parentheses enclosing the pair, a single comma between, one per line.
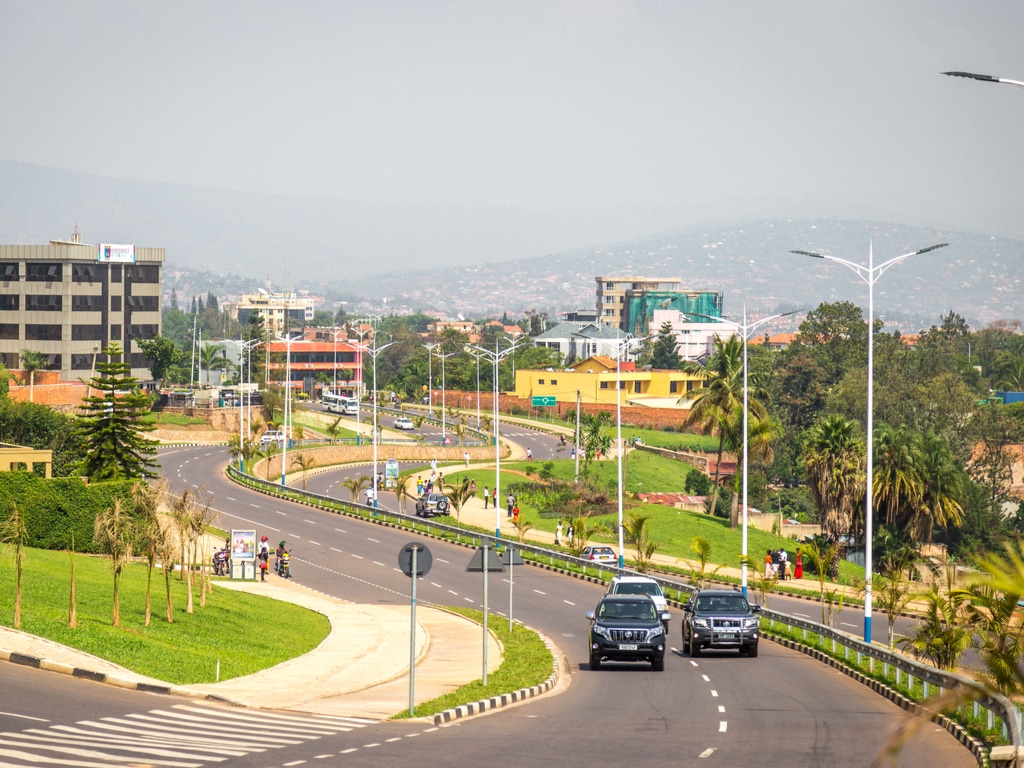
(58,509)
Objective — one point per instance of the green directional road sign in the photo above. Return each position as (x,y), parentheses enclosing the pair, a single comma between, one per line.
(542,401)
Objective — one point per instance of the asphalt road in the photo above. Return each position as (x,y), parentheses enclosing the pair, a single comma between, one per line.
(781,707)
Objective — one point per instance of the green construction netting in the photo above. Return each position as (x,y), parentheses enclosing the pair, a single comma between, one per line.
(641,308)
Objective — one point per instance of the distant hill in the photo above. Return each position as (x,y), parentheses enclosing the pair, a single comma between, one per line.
(381,257)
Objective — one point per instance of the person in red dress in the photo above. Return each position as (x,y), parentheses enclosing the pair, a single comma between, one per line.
(798,567)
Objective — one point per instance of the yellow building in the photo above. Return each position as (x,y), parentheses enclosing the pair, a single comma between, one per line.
(595,378)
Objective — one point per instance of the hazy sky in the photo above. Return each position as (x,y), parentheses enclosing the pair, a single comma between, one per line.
(837,108)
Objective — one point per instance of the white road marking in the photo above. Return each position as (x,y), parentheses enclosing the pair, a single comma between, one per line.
(231,498)
(721,709)
(25,717)
(707,752)
(847,624)
(341,530)
(453,592)
(283,514)
(375,541)
(568,602)
(435,584)
(693,663)
(360,557)
(377,562)
(539,592)
(714,694)
(315,543)
(254,505)
(311,522)
(722,726)
(706,678)
(335,550)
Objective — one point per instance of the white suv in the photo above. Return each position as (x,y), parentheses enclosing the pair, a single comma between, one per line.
(271,437)
(639,585)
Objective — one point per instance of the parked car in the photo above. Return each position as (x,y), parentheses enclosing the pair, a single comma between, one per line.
(639,585)
(599,554)
(627,628)
(271,437)
(430,504)
(720,619)
(404,422)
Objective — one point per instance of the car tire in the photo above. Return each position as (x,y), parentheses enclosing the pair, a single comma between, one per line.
(595,662)
(658,665)
(442,506)
(686,644)
(694,647)
(752,651)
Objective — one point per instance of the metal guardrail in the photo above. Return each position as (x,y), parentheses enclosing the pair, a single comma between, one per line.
(908,672)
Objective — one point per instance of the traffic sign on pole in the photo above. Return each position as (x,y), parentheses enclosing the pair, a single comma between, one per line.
(543,401)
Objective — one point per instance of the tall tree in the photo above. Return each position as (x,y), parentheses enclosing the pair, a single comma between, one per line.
(162,353)
(665,349)
(114,532)
(31,361)
(834,462)
(113,423)
(14,534)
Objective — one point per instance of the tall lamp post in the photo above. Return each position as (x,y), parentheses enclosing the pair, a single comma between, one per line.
(869,275)
(443,402)
(244,350)
(476,356)
(374,351)
(621,347)
(745,330)
(287,339)
(496,357)
(986,78)
(430,374)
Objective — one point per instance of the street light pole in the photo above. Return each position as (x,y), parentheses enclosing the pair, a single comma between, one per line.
(746,329)
(286,417)
(374,351)
(620,347)
(869,275)
(430,375)
(496,357)
(443,402)
(985,78)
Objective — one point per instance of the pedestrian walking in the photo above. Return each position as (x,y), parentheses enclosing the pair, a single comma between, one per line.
(570,534)
(472,487)
(419,486)
(558,534)
(487,496)
(466,457)
(798,565)
(264,558)
(515,515)
(494,497)
(509,503)
(529,454)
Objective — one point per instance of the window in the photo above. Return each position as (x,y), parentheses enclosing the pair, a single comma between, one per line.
(690,386)
(636,386)
(86,303)
(142,273)
(554,382)
(43,303)
(142,331)
(115,273)
(80,362)
(87,333)
(115,333)
(9,271)
(144,303)
(605,385)
(673,387)
(87,273)
(9,302)
(43,272)
(115,303)
(40,332)
(540,381)
(8,330)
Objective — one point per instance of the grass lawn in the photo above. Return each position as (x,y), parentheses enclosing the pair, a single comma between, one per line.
(175,419)
(245,633)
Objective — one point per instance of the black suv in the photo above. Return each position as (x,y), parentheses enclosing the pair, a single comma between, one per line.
(627,628)
(430,504)
(720,619)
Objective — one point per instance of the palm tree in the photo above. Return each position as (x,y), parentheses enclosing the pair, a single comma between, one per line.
(304,463)
(31,361)
(403,491)
(114,531)
(834,469)
(943,488)
(593,436)
(636,530)
(355,486)
(149,532)
(522,527)
(715,403)
(945,633)
(212,356)
(898,485)
(701,547)
(14,533)
(458,495)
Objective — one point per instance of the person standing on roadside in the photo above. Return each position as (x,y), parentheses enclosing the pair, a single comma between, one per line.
(263,555)
(558,534)
(515,514)
(487,496)
(509,503)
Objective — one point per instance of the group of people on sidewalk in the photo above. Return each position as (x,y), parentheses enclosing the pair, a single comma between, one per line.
(776,564)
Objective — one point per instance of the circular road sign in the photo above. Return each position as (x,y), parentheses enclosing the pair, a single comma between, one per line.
(423,559)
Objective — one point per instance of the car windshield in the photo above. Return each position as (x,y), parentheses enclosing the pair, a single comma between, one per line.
(630,610)
(638,588)
(723,604)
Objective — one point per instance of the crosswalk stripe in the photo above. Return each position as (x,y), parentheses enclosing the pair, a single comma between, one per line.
(266,726)
(77,752)
(215,746)
(261,718)
(120,726)
(147,721)
(152,747)
(50,760)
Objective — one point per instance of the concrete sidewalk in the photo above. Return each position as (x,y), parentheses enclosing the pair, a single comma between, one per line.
(360,670)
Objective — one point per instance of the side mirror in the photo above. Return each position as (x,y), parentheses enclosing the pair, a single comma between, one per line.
(755,608)
(589,615)
(666,616)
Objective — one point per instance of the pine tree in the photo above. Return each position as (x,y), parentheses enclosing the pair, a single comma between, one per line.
(201,308)
(112,424)
(211,302)
(193,310)
(174,299)
(664,354)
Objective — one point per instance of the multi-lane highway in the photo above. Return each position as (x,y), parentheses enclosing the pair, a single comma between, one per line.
(781,707)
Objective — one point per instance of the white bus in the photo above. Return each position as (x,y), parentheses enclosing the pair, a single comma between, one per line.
(339,403)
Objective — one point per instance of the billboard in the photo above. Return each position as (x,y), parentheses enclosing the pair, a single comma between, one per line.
(116,254)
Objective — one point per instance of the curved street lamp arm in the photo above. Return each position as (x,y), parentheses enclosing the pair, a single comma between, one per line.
(985,78)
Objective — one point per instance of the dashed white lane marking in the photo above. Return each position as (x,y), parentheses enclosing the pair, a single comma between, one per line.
(358,557)
(453,592)
(442,560)
(693,663)
(721,709)
(714,694)
(802,615)
(568,602)
(282,514)
(335,550)
(24,717)
(254,505)
(539,592)
(377,562)
(847,624)
(722,726)
(706,678)
(315,543)
(341,530)
(311,522)
(375,541)
(707,752)
(231,498)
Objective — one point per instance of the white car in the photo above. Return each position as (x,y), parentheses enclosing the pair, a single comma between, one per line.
(271,437)
(639,585)
(404,422)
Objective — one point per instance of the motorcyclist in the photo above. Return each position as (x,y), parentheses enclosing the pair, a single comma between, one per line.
(279,554)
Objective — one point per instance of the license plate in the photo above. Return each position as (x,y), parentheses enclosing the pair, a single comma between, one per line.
(627,646)
(727,635)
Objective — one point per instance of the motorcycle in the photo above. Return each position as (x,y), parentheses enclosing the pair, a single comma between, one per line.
(220,562)
(284,565)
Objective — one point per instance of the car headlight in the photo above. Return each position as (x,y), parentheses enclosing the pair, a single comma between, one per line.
(657,632)
(751,622)
(602,631)
(702,623)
